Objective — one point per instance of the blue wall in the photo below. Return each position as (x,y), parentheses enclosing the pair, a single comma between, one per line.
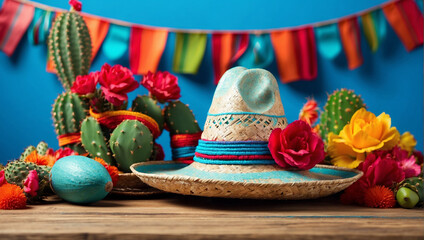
(391,80)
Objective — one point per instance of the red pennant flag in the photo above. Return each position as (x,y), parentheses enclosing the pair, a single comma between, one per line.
(15,19)
(146,48)
(351,41)
(296,54)
(225,52)
(407,21)
(98,30)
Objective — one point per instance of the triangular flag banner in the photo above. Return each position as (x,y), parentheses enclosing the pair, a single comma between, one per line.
(146,48)
(407,21)
(50,64)
(307,53)
(33,30)
(259,53)
(285,53)
(15,18)
(226,51)
(328,40)
(370,31)
(116,43)
(98,29)
(351,41)
(189,51)
(380,24)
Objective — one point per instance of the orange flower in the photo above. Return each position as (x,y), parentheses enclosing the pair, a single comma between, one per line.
(379,197)
(38,159)
(112,170)
(12,197)
(309,112)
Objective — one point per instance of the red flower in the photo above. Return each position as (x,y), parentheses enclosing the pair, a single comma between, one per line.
(31,183)
(309,112)
(296,146)
(76,5)
(85,84)
(379,197)
(162,85)
(64,152)
(2,178)
(116,82)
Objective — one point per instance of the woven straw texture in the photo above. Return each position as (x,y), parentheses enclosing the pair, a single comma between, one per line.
(234,127)
(250,190)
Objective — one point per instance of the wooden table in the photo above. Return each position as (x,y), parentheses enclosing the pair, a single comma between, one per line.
(179,217)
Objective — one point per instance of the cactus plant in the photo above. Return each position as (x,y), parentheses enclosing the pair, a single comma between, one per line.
(27,152)
(68,112)
(42,148)
(94,141)
(410,192)
(147,105)
(69,46)
(131,142)
(17,171)
(339,109)
(179,118)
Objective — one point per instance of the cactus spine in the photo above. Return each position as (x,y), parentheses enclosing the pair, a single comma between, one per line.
(69,46)
(131,142)
(179,119)
(147,105)
(94,141)
(68,112)
(339,109)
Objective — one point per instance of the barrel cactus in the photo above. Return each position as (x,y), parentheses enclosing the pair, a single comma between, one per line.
(339,109)
(69,110)
(69,46)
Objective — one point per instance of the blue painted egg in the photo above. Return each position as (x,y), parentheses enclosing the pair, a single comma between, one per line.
(81,180)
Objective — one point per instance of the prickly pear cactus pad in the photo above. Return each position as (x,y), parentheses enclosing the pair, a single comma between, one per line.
(68,112)
(131,142)
(149,106)
(94,141)
(339,109)
(69,46)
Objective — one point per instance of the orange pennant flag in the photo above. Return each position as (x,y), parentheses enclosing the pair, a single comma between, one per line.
(98,29)
(146,48)
(407,21)
(286,55)
(351,41)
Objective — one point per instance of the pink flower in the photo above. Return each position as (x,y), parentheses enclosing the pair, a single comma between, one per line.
(419,156)
(2,178)
(296,146)
(309,112)
(162,85)
(64,152)
(31,183)
(116,82)
(76,5)
(85,84)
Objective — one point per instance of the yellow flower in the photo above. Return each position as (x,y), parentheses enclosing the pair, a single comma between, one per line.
(341,154)
(407,142)
(366,132)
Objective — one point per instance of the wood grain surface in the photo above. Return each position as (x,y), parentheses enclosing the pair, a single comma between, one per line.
(179,217)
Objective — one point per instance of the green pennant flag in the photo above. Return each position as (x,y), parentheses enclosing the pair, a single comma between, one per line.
(189,51)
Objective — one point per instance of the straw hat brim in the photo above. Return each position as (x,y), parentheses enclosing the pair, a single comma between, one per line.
(245,181)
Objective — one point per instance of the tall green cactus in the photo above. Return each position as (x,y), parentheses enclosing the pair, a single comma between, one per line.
(131,142)
(339,109)
(68,112)
(179,118)
(94,141)
(147,105)
(69,45)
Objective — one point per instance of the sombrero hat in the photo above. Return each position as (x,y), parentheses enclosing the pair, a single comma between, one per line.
(232,158)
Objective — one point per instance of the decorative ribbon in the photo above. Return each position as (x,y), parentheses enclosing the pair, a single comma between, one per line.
(185,140)
(224,53)
(237,152)
(116,43)
(146,48)
(69,138)
(259,53)
(407,21)
(189,51)
(111,119)
(15,18)
(98,29)
(351,40)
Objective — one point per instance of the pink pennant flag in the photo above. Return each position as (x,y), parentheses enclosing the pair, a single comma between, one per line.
(226,51)
(15,18)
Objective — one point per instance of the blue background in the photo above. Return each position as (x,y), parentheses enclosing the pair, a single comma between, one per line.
(391,80)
